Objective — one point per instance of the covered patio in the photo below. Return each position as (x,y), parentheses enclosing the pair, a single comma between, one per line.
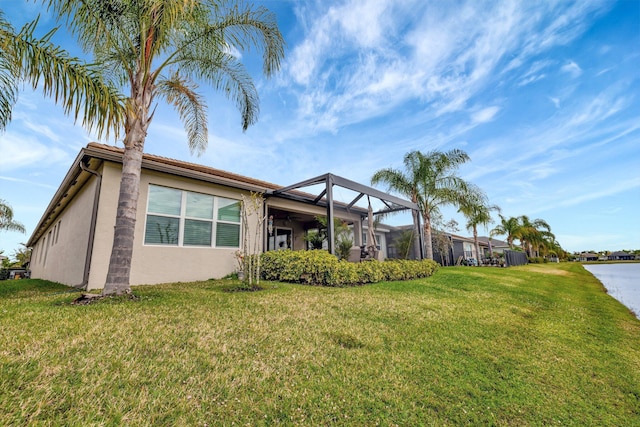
(292,212)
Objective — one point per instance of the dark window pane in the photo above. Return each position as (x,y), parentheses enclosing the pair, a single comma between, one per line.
(161,230)
(197,233)
(228,235)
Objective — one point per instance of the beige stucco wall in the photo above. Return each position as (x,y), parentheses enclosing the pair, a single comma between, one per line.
(153,264)
(59,255)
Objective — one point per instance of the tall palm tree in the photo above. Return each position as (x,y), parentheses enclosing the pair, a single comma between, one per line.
(158,50)
(7,223)
(508,227)
(78,87)
(477,211)
(430,181)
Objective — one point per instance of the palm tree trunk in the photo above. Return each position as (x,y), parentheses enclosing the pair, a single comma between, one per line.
(136,125)
(416,239)
(475,241)
(428,244)
(124,232)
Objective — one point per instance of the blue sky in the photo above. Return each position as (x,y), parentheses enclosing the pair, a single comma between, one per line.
(543,96)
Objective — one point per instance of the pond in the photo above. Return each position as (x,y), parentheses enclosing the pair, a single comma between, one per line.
(622,282)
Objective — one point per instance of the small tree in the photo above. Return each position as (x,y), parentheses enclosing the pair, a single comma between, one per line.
(249,256)
(441,241)
(344,241)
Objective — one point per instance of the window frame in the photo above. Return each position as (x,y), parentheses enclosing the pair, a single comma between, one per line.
(183,218)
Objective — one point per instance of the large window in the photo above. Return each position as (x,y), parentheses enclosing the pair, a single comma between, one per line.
(184,218)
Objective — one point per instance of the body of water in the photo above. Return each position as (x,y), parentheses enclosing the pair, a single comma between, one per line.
(622,282)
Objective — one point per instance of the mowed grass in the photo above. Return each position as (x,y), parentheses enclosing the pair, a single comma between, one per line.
(533,345)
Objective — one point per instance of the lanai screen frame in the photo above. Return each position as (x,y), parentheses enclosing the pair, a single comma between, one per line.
(392,203)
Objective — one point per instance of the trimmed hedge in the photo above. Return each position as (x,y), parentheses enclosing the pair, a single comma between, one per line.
(318,267)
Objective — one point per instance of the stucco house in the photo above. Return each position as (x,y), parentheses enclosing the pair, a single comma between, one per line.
(588,256)
(188,224)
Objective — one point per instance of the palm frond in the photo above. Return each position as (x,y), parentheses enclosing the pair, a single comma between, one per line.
(244,28)
(78,87)
(8,73)
(191,107)
(226,74)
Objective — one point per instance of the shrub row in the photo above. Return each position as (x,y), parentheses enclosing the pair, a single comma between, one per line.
(318,267)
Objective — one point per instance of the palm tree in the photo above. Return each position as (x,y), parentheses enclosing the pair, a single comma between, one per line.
(508,227)
(78,87)
(159,49)
(7,223)
(22,255)
(478,212)
(532,234)
(429,180)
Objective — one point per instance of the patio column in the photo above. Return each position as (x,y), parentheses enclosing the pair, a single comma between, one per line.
(329,196)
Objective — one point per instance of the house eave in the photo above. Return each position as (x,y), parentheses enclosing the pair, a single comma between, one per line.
(58,201)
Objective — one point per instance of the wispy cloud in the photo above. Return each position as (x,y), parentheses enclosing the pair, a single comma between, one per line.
(27,181)
(571,68)
(630,185)
(19,152)
(485,115)
(417,52)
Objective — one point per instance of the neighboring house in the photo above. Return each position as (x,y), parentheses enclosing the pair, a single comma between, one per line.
(588,256)
(188,224)
(457,250)
(461,249)
(492,245)
(621,256)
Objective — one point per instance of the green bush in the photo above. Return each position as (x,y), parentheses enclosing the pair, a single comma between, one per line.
(318,267)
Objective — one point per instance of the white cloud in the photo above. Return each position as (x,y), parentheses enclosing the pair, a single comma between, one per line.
(572,68)
(485,115)
(21,151)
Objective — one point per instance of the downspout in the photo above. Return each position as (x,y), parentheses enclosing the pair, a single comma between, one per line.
(92,226)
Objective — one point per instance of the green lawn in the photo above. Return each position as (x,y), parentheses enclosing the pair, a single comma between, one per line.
(533,345)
